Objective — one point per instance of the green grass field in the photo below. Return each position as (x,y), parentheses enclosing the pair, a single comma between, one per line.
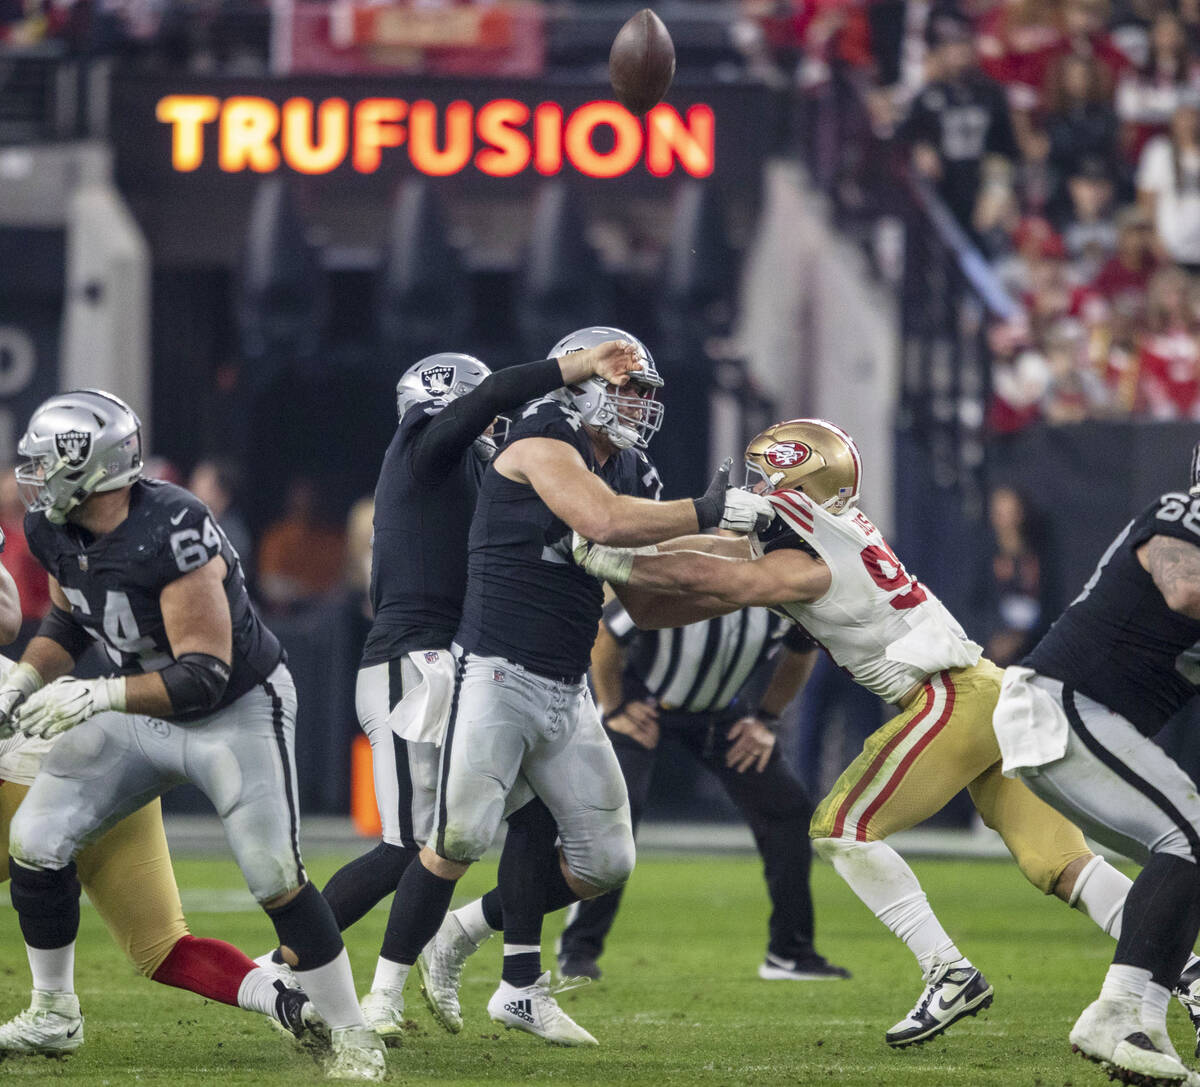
(680,1002)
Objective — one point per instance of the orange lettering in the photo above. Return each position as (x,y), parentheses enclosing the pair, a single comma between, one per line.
(248,125)
(377,125)
(187,114)
(547,138)
(422,145)
(668,139)
(333,135)
(498,124)
(627,139)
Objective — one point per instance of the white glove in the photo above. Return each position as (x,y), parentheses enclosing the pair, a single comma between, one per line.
(611,564)
(20,683)
(67,702)
(746,512)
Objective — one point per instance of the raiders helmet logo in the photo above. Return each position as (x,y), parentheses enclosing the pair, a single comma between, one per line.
(787,454)
(73,446)
(438,380)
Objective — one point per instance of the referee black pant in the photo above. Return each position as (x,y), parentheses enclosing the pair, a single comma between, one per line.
(774,803)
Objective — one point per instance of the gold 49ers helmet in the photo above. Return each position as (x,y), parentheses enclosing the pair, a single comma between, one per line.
(809,455)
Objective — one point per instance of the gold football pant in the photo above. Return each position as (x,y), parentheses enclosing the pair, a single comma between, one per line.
(943,742)
(128,878)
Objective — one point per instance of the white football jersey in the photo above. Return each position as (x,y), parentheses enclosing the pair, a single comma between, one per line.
(20,756)
(876,621)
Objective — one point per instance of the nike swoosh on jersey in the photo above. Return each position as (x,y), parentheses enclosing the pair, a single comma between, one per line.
(178,517)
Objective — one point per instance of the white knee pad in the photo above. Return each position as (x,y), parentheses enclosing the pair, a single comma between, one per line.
(36,840)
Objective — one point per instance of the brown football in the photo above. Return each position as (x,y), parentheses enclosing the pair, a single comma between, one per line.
(641,63)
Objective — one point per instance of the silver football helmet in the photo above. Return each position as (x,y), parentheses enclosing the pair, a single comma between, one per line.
(76,444)
(438,379)
(629,415)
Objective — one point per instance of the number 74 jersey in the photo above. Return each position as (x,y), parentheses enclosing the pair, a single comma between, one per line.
(876,621)
(113,582)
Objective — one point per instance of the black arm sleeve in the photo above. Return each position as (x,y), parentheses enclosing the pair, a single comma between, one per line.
(60,626)
(456,426)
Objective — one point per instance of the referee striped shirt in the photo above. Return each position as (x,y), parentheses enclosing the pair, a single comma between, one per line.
(702,667)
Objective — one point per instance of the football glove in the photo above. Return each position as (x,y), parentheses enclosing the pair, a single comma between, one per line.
(722,506)
(68,702)
(611,564)
(20,683)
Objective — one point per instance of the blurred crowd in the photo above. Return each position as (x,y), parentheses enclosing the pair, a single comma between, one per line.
(1065,137)
(306,555)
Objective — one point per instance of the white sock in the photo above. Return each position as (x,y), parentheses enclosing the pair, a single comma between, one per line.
(890,890)
(331,988)
(473,922)
(1155,1001)
(257,992)
(1125,983)
(1099,893)
(390,975)
(53,969)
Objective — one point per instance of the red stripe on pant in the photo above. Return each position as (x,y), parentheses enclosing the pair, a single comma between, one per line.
(860,786)
(908,760)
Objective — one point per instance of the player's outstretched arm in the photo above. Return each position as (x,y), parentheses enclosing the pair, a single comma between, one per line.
(783,577)
(464,419)
(1174,565)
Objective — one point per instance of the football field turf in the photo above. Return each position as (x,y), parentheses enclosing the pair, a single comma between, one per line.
(680,1002)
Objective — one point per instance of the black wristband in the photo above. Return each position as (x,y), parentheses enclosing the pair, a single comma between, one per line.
(708,512)
(771,720)
(616,711)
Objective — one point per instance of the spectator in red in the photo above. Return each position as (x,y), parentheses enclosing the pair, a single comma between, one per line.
(1016,39)
(1123,279)
(1148,96)
(27,572)
(1168,183)
(300,556)
(959,118)
(1169,350)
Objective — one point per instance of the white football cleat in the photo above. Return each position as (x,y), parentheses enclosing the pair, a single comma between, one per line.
(383,1009)
(1110,1032)
(51,1025)
(281,970)
(358,1053)
(951,992)
(440,967)
(535,1011)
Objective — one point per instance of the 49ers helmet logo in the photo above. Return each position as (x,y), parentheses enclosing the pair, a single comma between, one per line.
(787,454)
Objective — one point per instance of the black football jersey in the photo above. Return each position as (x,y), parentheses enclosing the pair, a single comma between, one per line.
(419,556)
(1118,642)
(113,582)
(526,599)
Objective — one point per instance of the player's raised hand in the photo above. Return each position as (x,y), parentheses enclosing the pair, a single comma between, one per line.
(722,506)
(613,361)
(18,685)
(67,702)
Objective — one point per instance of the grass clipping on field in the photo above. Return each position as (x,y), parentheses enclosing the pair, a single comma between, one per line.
(680,1001)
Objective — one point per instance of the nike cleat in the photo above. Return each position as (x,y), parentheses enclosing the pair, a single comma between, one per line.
(358,1053)
(297,1018)
(807,967)
(1188,993)
(440,967)
(51,1026)
(533,1009)
(383,1010)
(951,992)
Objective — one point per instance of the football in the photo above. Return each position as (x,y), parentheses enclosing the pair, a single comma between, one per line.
(641,63)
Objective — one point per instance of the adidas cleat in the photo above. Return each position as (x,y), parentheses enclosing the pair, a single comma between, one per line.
(1110,1033)
(950,994)
(358,1053)
(533,1009)
(383,1010)
(440,967)
(297,1018)
(51,1026)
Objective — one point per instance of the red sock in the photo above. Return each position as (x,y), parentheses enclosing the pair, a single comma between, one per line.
(211,968)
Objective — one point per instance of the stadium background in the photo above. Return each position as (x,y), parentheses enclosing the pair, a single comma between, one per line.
(205,207)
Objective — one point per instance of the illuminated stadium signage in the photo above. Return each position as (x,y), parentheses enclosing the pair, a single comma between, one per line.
(495,137)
